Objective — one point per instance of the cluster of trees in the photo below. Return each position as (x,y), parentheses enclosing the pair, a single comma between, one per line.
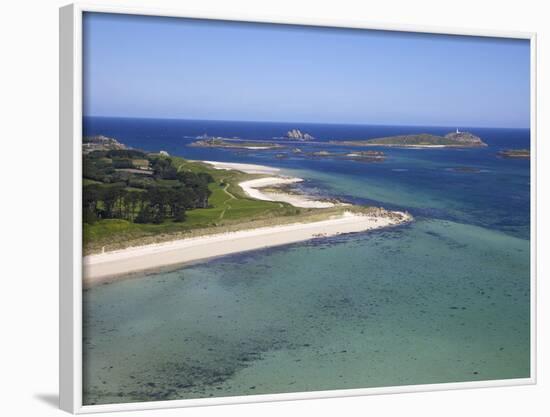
(131,198)
(102,165)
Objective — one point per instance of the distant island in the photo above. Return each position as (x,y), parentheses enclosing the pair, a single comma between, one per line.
(297,134)
(423,140)
(515,153)
(218,142)
(361,156)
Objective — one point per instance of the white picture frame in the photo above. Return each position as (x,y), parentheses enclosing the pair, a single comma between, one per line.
(70,280)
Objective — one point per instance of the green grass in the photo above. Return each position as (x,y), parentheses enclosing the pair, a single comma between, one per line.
(111,234)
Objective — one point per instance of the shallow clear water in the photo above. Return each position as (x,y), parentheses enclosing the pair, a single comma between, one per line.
(444,299)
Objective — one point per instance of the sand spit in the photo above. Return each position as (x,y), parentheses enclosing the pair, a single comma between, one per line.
(107,266)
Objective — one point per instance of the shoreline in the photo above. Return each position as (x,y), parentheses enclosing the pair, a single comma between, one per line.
(409,146)
(246,168)
(405,146)
(108,266)
(253,188)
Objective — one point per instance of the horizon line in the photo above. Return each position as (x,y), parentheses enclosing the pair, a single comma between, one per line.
(303,122)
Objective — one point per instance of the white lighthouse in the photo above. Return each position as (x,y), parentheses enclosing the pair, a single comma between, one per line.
(457,131)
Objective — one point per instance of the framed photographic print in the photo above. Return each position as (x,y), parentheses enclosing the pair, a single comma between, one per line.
(254,209)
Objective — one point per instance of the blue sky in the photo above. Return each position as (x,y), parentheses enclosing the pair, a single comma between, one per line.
(140,66)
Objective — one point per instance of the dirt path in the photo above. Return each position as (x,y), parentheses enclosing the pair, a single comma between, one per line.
(226,206)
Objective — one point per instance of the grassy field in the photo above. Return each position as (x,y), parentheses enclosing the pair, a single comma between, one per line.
(229,208)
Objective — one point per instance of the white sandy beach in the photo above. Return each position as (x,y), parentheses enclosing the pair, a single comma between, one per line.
(103,267)
(253,189)
(254,148)
(246,168)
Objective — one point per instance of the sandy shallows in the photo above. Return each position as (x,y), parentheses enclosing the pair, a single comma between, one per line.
(253,188)
(103,267)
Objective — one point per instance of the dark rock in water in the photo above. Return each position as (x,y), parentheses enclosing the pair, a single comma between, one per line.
(515,153)
(361,156)
(367,156)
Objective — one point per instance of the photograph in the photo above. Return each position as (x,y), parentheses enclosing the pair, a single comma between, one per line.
(275,208)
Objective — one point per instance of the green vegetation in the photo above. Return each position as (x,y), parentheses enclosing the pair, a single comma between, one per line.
(422,139)
(126,202)
(119,185)
(458,139)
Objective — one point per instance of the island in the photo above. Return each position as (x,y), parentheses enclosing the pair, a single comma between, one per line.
(515,153)
(218,142)
(360,156)
(144,211)
(423,140)
(297,134)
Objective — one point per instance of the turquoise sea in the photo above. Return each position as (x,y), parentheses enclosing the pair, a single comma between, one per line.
(444,299)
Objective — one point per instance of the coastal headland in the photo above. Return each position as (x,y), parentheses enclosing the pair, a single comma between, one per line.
(142,218)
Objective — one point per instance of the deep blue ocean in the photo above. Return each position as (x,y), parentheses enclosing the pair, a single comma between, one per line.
(444,299)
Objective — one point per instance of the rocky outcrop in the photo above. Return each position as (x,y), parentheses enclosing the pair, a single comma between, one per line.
(297,134)
(100,143)
(465,138)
